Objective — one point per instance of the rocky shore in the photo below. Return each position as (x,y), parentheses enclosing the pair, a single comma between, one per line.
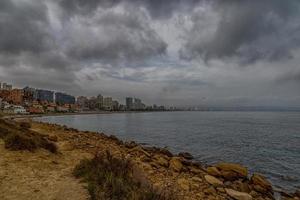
(157,167)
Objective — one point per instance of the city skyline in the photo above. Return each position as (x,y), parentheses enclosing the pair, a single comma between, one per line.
(175,52)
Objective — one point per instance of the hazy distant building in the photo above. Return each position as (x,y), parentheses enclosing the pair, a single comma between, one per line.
(29,94)
(115,105)
(129,103)
(138,104)
(44,95)
(108,103)
(92,103)
(62,98)
(82,102)
(6,86)
(100,102)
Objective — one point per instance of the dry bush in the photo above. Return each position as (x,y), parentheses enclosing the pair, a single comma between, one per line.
(18,136)
(111,178)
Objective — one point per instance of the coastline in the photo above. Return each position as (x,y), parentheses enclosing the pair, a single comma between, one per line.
(156,166)
(16,116)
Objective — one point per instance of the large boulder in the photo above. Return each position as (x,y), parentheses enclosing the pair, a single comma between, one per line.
(238,195)
(261,184)
(175,164)
(213,180)
(232,170)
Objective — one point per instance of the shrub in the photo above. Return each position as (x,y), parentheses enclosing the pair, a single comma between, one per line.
(18,136)
(25,125)
(111,178)
(18,142)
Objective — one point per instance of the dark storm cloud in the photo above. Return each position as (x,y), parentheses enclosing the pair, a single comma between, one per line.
(23,27)
(118,37)
(250,30)
(157,9)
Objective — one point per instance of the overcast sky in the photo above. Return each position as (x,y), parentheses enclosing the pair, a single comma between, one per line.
(176,52)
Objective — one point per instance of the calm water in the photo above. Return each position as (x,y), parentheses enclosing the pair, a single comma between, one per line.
(265,142)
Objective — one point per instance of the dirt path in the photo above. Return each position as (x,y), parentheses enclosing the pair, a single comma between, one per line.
(40,175)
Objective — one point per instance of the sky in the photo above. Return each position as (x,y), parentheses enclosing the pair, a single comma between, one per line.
(172,52)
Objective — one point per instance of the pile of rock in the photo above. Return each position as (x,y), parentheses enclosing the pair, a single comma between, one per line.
(234,179)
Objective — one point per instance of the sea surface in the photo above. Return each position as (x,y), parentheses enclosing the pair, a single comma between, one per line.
(265,142)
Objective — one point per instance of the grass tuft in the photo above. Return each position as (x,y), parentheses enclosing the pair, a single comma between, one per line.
(111,178)
(18,136)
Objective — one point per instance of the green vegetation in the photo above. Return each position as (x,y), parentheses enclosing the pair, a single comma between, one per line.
(18,136)
(111,178)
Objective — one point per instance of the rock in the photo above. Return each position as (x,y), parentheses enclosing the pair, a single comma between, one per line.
(183,183)
(220,189)
(231,167)
(259,180)
(213,171)
(166,152)
(175,164)
(213,180)
(53,138)
(210,190)
(130,144)
(161,160)
(140,149)
(243,186)
(186,155)
(253,193)
(229,175)
(196,179)
(238,195)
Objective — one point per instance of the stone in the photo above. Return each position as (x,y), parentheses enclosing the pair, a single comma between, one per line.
(186,155)
(253,193)
(183,184)
(238,195)
(229,175)
(259,180)
(220,189)
(130,144)
(53,138)
(210,190)
(213,180)
(196,179)
(213,171)
(175,164)
(243,186)
(161,160)
(231,167)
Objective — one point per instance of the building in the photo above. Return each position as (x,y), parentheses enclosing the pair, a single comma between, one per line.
(5,94)
(43,95)
(138,104)
(16,96)
(62,98)
(92,103)
(107,103)
(129,103)
(29,94)
(115,105)
(100,102)
(6,86)
(82,102)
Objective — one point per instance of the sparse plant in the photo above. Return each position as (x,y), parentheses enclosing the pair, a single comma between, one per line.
(111,178)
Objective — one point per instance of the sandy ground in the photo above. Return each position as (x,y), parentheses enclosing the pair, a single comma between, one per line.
(40,175)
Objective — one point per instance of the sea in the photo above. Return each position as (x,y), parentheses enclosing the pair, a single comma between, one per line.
(265,142)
